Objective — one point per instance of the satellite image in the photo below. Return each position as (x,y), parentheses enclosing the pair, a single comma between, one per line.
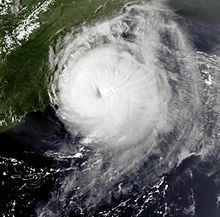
(109,108)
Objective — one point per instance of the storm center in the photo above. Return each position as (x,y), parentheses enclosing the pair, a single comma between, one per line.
(113,97)
(104,92)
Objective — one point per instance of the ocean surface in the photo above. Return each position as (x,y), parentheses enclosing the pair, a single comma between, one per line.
(47,168)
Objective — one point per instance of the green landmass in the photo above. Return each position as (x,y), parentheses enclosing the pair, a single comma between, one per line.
(24,72)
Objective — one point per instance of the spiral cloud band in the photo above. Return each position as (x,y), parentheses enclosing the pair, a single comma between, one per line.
(114,92)
(111,96)
(127,90)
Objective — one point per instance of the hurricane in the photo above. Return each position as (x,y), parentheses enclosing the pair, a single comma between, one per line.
(129,88)
(113,87)
(113,96)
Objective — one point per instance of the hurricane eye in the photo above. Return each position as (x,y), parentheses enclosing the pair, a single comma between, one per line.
(98,93)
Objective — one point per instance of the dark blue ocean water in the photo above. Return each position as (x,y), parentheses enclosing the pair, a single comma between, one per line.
(191,188)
